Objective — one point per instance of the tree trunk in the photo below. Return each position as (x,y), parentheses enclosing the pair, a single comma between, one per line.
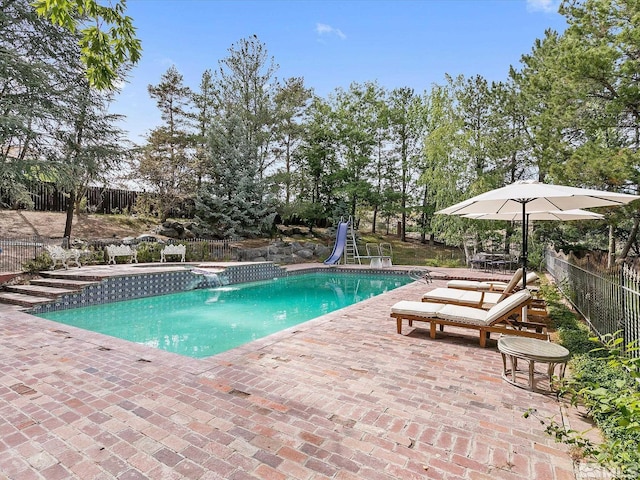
(287,183)
(630,240)
(423,217)
(69,221)
(467,254)
(79,196)
(611,257)
(508,233)
(375,217)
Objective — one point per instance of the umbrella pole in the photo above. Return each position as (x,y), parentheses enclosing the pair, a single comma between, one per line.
(525,249)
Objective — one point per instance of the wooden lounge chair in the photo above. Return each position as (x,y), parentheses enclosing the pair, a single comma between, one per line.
(502,318)
(490,286)
(473,298)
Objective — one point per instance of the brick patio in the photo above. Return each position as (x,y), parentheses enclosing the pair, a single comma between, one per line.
(342,396)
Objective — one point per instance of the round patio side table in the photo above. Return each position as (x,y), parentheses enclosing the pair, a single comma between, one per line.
(531,350)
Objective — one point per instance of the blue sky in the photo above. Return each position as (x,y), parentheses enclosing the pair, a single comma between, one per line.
(332,43)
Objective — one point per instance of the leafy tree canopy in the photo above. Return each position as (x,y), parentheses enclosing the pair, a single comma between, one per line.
(106,35)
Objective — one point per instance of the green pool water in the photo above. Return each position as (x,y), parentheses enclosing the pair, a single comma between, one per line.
(204,322)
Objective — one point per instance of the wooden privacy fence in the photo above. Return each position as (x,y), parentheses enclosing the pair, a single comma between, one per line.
(608,298)
(47,198)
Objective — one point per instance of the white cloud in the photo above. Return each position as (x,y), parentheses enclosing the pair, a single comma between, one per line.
(550,6)
(324,29)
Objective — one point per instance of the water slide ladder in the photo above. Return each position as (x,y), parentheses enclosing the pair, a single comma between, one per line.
(351,255)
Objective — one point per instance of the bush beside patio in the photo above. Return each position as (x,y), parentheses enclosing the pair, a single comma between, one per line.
(604,381)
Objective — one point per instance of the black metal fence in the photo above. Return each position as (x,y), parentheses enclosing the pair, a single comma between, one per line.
(17,252)
(608,298)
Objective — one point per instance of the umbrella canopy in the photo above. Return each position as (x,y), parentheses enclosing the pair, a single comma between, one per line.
(522,197)
(537,197)
(575,214)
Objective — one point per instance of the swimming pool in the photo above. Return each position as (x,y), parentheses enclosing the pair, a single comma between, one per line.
(204,322)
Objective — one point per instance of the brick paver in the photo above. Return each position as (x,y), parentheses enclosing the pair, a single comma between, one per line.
(342,396)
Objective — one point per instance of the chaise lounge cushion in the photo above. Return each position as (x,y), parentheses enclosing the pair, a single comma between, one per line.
(515,281)
(462,297)
(463,315)
(482,285)
(475,285)
(501,309)
(408,307)
(455,313)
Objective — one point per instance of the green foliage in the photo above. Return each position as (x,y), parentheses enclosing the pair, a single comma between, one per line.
(535,256)
(166,162)
(308,213)
(234,203)
(577,340)
(106,36)
(41,262)
(605,380)
(611,395)
(573,334)
(201,252)
(146,205)
(92,257)
(234,200)
(148,251)
(444,261)
(198,251)
(55,126)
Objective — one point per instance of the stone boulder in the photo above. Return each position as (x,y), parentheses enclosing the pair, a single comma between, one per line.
(304,253)
(175,230)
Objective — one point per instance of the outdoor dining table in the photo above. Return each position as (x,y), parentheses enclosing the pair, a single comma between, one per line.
(492,261)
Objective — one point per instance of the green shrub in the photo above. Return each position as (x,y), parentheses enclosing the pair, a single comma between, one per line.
(605,380)
(92,257)
(577,340)
(41,262)
(197,252)
(444,261)
(149,252)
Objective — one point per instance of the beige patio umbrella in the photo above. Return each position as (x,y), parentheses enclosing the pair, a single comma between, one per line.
(530,196)
(564,215)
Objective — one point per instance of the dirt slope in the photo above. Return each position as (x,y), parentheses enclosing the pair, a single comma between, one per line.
(22,223)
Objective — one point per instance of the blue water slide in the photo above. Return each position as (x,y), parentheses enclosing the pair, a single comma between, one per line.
(341,241)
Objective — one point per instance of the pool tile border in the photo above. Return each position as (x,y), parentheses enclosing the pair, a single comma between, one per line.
(151,284)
